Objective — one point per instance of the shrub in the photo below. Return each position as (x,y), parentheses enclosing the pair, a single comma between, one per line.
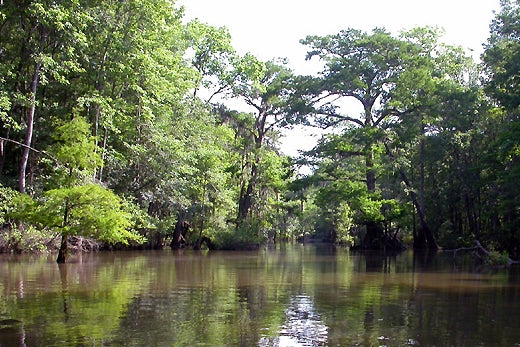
(7,203)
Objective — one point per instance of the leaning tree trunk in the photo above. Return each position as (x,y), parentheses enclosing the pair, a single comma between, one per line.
(424,238)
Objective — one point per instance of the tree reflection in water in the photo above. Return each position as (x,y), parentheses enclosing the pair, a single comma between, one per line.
(302,327)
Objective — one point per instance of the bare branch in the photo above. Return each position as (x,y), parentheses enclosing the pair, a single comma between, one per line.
(29,147)
(340,118)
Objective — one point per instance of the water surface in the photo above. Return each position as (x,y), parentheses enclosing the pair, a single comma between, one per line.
(278,296)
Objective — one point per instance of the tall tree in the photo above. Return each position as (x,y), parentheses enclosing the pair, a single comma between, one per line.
(438,88)
(401,85)
(364,67)
(268,97)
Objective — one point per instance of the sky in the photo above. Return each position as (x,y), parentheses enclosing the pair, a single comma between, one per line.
(273,28)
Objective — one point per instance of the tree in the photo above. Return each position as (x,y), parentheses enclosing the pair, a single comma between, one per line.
(438,101)
(406,87)
(39,41)
(209,184)
(268,97)
(365,67)
(502,165)
(76,206)
(343,198)
(213,57)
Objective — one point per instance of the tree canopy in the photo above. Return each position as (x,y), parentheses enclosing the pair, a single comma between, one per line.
(119,122)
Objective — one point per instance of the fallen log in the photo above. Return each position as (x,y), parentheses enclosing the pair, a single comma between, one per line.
(481,253)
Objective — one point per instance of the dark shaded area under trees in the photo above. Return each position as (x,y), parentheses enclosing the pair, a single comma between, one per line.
(115,128)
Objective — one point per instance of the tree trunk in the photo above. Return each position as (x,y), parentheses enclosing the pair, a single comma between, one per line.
(244,203)
(373,230)
(100,84)
(29,132)
(421,172)
(103,153)
(370,174)
(97,111)
(419,240)
(2,151)
(180,231)
(245,200)
(425,238)
(62,254)
(198,245)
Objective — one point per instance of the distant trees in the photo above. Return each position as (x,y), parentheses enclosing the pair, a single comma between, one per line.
(374,70)
(422,156)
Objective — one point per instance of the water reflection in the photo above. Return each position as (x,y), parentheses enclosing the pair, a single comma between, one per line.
(12,333)
(302,327)
(292,296)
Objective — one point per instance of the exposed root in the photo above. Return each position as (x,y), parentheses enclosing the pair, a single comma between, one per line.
(79,244)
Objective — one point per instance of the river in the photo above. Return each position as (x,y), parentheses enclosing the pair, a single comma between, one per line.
(277,296)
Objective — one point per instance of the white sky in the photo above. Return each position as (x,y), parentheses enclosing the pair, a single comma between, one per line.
(272,28)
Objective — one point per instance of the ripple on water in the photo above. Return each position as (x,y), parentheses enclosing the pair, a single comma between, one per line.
(302,327)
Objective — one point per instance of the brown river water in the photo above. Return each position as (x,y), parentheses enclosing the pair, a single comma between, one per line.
(294,295)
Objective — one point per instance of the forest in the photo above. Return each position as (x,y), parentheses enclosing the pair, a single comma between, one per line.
(116,131)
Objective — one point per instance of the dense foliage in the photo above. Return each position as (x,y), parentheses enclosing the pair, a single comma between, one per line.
(119,122)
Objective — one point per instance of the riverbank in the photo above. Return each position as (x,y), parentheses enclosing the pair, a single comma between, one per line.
(32,241)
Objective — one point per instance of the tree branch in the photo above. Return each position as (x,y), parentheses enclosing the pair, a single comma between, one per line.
(340,118)
(479,248)
(29,147)
(394,112)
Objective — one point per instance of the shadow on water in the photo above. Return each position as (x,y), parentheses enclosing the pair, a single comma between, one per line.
(375,261)
(12,332)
